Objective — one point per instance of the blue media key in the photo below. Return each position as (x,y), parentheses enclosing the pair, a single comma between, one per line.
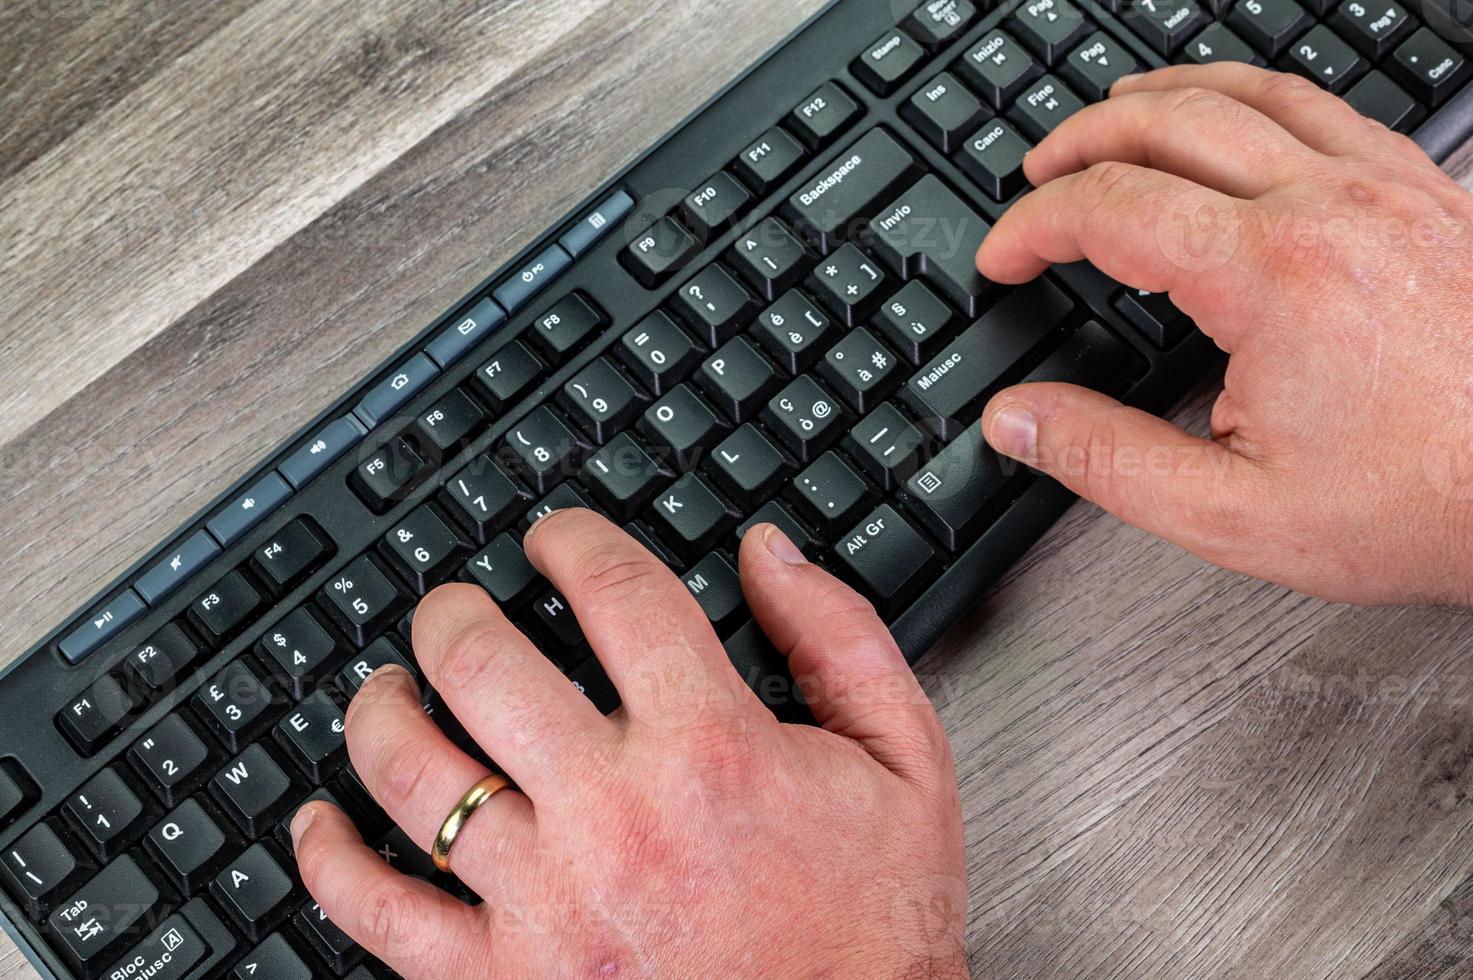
(175,567)
(384,398)
(532,279)
(465,332)
(249,509)
(331,441)
(101,626)
(596,224)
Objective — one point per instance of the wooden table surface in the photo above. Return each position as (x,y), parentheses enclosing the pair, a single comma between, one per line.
(215,216)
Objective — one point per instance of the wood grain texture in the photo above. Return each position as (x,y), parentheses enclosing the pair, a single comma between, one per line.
(216,216)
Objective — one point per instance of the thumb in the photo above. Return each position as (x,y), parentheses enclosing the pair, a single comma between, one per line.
(1191,491)
(851,673)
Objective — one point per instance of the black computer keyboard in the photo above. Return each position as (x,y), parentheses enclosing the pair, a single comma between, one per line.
(783,339)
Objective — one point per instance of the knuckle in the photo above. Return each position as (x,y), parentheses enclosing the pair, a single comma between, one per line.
(1194,101)
(1100,181)
(404,768)
(612,576)
(388,920)
(1288,89)
(467,654)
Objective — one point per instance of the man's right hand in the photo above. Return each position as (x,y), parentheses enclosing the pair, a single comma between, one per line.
(1334,262)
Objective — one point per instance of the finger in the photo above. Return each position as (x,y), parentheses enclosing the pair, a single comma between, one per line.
(650,634)
(1146,229)
(1195,133)
(511,699)
(418,775)
(844,660)
(1192,492)
(414,927)
(1316,118)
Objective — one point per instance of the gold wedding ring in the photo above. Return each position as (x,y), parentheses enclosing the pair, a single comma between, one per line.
(469,803)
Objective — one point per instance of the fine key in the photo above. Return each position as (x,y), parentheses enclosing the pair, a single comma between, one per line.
(929,232)
(829,207)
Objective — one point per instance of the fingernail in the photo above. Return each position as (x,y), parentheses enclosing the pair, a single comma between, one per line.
(1124,81)
(1014,432)
(527,536)
(782,547)
(300,822)
(387,670)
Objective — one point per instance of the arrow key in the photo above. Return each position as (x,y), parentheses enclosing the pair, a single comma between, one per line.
(1323,58)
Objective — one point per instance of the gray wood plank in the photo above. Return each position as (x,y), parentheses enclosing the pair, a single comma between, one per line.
(1167,770)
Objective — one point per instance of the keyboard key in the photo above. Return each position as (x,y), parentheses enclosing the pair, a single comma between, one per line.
(236,703)
(172,758)
(362,599)
(1044,105)
(737,379)
(451,422)
(41,866)
(1374,28)
(1096,64)
(589,679)
(715,305)
(1379,98)
(274,959)
(534,276)
(777,515)
(254,790)
(1217,42)
(255,891)
(566,326)
(190,845)
(380,653)
(770,258)
(718,590)
(1268,25)
(176,567)
(17,790)
(96,714)
(938,22)
(224,609)
(390,394)
(484,499)
(299,650)
(567,644)
(508,376)
(993,158)
(596,224)
(765,671)
(106,812)
(564,496)
(1324,59)
(915,322)
(171,951)
(249,509)
(102,625)
(1049,27)
(689,516)
(829,208)
(793,331)
(805,418)
(947,391)
(313,736)
(286,558)
(334,945)
(823,115)
(905,238)
(502,569)
(623,476)
(952,493)
(1091,357)
(1426,64)
(658,352)
(769,160)
(1155,316)
(943,111)
(543,448)
(888,560)
(465,332)
(998,68)
(849,284)
(886,446)
(423,549)
(887,62)
(660,250)
(1164,24)
(829,495)
(390,474)
(746,465)
(860,369)
(104,916)
(331,441)
(679,427)
(714,206)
